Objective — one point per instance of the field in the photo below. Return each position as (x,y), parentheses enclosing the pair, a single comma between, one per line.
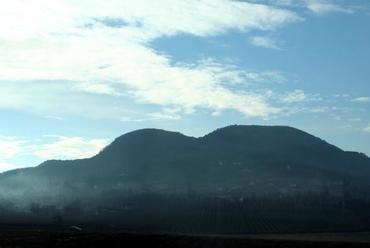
(28,236)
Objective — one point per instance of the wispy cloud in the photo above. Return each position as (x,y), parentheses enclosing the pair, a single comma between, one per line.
(101,48)
(320,109)
(361,99)
(321,7)
(165,114)
(46,147)
(53,117)
(354,119)
(341,95)
(69,148)
(9,147)
(294,97)
(265,41)
(5,166)
(316,6)
(96,88)
(367,129)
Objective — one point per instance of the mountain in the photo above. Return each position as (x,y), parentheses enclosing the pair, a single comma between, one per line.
(233,160)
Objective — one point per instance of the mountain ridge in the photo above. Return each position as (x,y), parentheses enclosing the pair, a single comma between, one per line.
(215,132)
(235,156)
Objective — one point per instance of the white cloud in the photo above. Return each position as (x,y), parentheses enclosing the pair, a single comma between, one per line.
(47,147)
(69,148)
(9,147)
(367,129)
(265,41)
(103,48)
(341,95)
(58,98)
(354,119)
(165,114)
(320,109)
(133,119)
(361,99)
(53,117)
(322,6)
(294,97)
(97,88)
(5,166)
(316,6)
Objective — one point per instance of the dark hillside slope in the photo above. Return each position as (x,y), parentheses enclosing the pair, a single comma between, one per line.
(279,145)
(246,159)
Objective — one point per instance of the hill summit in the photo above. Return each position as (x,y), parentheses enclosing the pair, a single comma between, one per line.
(235,159)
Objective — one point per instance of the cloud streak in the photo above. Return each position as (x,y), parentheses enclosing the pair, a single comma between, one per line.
(361,99)
(265,41)
(322,7)
(294,97)
(315,6)
(69,148)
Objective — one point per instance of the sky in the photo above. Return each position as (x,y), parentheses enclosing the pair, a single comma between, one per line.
(74,75)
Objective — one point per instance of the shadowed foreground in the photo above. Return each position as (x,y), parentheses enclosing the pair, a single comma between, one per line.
(43,238)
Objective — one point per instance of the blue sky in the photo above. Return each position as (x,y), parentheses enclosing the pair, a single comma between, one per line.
(76,74)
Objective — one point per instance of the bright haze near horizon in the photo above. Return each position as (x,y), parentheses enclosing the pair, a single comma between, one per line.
(76,74)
